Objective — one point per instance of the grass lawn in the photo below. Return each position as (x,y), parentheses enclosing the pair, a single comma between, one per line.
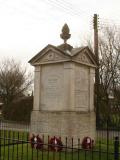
(8,136)
(25,152)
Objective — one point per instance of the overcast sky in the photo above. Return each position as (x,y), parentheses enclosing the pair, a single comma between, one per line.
(26,26)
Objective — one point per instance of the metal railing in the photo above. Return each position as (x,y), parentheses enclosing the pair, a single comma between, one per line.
(14,125)
(16,145)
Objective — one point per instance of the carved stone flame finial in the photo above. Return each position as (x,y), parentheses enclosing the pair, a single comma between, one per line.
(65,33)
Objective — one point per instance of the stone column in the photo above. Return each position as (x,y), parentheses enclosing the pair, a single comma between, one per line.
(36,106)
(37,88)
(72,86)
(69,86)
(91,90)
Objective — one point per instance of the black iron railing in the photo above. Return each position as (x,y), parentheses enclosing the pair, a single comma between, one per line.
(16,145)
(14,125)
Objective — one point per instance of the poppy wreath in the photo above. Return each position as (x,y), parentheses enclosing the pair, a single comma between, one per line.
(55,144)
(87,143)
(36,142)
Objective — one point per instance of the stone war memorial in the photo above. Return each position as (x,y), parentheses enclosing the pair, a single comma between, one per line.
(64,91)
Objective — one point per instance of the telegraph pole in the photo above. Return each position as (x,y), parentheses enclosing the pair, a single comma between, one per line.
(95,25)
(97,81)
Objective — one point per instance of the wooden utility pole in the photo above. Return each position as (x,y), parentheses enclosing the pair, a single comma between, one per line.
(97,81)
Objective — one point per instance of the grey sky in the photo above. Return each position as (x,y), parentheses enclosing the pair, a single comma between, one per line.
(26,26)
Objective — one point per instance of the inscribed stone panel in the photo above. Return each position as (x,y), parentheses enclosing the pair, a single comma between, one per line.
(81,87)
(52,87)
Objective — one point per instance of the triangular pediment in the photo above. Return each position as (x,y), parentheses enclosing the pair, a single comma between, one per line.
(49,54)
(85,56)
(52,56)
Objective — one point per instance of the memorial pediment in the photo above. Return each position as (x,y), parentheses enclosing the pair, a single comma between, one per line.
(50,54)
(85,56)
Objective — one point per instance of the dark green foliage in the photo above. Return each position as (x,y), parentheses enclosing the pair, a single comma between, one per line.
(19,110)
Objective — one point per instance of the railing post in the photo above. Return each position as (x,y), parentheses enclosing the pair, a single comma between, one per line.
(0,138)
(116,148)
(107,139)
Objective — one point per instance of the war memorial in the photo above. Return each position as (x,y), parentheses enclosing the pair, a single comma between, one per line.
(64,90)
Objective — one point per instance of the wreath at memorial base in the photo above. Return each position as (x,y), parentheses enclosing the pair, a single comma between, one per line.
(55,144)
(87,143)
(36,142)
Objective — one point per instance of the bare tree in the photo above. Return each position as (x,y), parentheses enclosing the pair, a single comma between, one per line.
(109,58)
(14,80)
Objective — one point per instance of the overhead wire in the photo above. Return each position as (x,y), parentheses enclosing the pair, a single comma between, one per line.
(24,12)
(68,8)
(60,7)
(103,24)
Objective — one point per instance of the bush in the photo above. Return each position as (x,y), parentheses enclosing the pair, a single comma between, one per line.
(19,110)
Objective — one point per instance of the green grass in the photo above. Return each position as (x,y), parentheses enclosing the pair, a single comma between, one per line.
(8,136)
(25,152)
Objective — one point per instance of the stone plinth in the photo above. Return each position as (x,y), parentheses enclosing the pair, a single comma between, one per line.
(64,124)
